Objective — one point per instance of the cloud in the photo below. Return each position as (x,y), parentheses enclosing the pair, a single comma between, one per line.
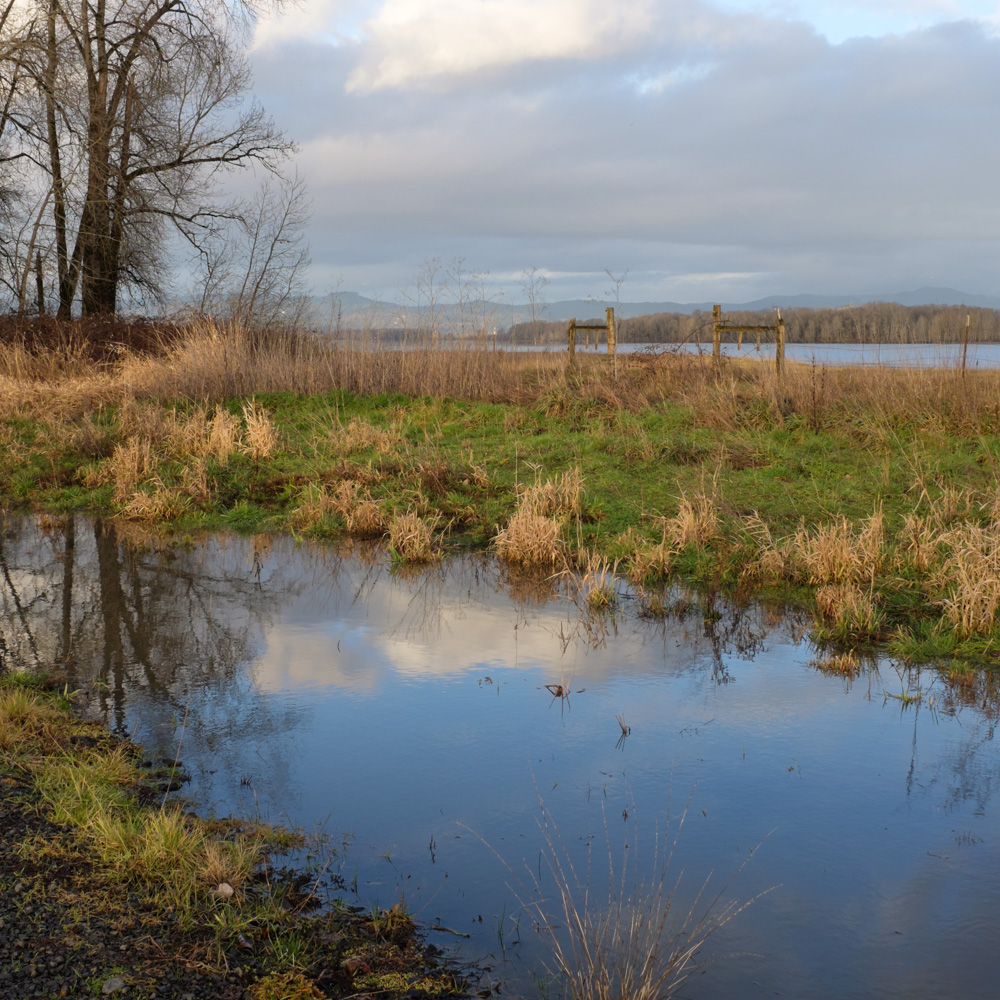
(700,142)
(412,42)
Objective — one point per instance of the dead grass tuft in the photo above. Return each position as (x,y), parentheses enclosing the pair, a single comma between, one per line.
(130,465)
(261,435)
(530,539)
(625,937)
(558,497)
(971,579)
(849,612)
(411,539)
(695,523)
(160,503)
(652,563)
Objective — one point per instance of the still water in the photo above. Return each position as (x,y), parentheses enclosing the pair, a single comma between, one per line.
(414,712)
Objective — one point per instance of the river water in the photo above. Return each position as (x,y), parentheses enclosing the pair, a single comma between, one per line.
(892,355)
(414,712)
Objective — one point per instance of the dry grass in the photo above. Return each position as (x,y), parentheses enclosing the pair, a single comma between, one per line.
(920,543)
(533,535)
(530,539)
(284,986)
(633,939)
(646,562)
(210,362)
(363,516)
(411,539)
(849,611)
(833,553)
(261,435)
(594,582)
(559,497)
(129,465)
(971,579)
(695,523)
(159,504)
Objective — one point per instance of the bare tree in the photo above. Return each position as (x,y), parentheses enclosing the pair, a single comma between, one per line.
(533,284)
(129,111)
(617,280)
(429,288)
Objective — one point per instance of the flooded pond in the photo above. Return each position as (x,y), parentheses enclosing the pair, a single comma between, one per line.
(420,714)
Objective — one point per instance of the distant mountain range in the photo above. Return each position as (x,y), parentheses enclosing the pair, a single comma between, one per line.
(355,307)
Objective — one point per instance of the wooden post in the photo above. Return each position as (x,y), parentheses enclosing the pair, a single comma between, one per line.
(965,342)
(572,340)
(717,335)
(610,314)
(779,350)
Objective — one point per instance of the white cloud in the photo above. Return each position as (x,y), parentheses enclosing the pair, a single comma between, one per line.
(416,41)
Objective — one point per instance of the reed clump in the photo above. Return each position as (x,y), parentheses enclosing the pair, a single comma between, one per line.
(833,553)
(411,539)
(261,434)
(533,534)
(847,612)
(210,361)
(530,539)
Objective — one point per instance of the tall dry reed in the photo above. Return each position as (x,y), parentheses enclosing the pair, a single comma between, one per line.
(210,361)
(622,930)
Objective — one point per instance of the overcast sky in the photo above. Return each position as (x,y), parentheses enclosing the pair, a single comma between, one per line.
(716,150)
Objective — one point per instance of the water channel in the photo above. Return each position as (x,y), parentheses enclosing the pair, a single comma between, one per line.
(415,713)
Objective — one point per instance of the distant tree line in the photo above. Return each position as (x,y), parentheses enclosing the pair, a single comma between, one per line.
(872,323)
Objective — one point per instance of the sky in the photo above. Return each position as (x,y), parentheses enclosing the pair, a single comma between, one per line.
(722,150)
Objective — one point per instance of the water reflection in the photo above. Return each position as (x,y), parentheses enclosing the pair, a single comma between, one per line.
(316,683)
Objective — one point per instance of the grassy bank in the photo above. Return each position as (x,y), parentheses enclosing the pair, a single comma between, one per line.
(871,494)
(106,881)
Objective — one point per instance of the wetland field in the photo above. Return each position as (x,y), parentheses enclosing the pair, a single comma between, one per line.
(479,623)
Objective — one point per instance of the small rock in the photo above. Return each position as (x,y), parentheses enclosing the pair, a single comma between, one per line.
(223,890)
(113,985)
